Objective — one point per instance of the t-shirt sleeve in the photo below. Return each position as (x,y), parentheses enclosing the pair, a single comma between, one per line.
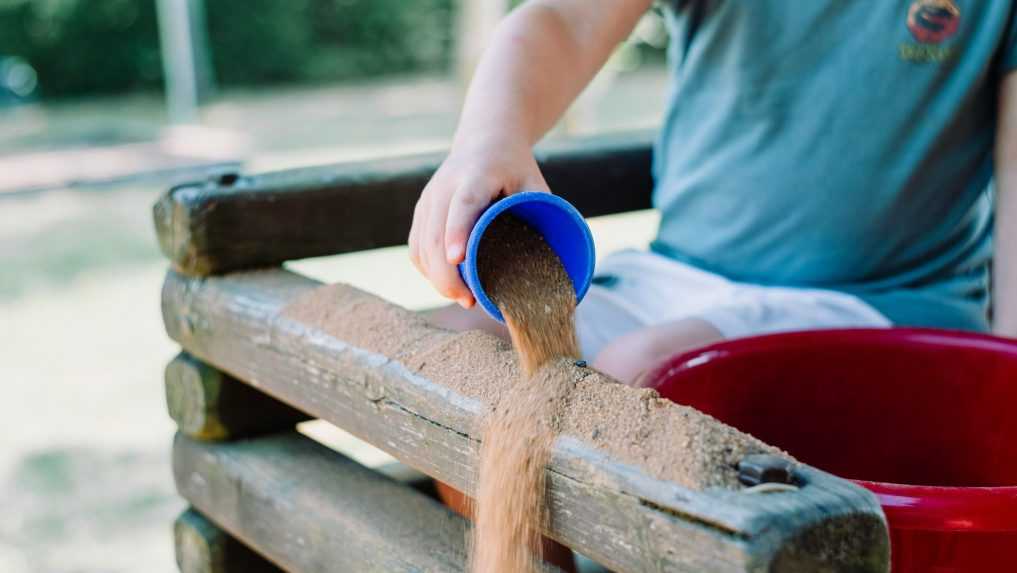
(1009,59)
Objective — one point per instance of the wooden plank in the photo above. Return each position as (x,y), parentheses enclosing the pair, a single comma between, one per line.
(311,509)
(209,405)
(615,512)
(231,223)
(202,547)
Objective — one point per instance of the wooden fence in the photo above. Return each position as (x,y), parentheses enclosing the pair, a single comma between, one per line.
(252,367)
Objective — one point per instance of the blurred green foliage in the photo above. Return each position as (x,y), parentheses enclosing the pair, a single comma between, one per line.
(82,47)
(264,41)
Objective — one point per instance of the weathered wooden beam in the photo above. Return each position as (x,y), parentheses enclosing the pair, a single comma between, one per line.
(386,381)
(311,509)
(235,222)
(209,405)
(202,547)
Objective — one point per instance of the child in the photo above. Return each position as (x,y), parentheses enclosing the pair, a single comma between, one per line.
(822,164)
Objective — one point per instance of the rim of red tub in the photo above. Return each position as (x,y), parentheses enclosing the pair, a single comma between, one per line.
(909,506)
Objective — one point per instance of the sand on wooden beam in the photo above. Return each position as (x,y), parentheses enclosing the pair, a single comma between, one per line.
(636,482)
(311,509)
(209,405)
(202,547)
(235,222)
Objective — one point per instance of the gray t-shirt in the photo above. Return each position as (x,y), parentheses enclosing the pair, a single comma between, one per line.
(842,144)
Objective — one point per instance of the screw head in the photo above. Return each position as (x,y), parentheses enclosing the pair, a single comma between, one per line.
(227,179)
(765,468)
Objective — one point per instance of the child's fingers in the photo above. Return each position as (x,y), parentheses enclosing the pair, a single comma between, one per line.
(446,279)
(443,275)
(414,239)
(467,204)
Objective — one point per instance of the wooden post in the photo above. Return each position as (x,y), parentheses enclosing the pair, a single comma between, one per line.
(209,405)
(477,22)
(245,222)
(201,547)
(368,382)
(181,42)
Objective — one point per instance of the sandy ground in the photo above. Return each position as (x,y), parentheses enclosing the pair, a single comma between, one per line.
(85,482)
(84,478)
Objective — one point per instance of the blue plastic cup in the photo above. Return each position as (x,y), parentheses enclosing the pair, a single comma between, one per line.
(562,227)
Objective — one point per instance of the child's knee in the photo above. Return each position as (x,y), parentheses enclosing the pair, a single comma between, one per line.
(630,356)
(626,357)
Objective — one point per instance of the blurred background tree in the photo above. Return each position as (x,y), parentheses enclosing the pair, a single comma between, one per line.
(81,47)
(89,47)
(99,47)
(256,42)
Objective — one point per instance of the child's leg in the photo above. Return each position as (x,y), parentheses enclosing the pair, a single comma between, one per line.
(745,310)
(630,355)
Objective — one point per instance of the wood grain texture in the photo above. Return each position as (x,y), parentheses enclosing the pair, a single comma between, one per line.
(614,512)
(209,405)
(311,509)
(202,547)
(210,227)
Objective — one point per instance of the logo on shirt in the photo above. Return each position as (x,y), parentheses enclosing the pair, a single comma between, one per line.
(933,21)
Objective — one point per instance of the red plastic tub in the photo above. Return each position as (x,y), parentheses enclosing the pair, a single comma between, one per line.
(925,419)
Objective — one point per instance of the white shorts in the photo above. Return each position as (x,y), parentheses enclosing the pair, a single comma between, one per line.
(635,289)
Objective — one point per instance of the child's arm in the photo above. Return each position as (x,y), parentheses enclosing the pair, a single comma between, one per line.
(540,58)
(1005,266)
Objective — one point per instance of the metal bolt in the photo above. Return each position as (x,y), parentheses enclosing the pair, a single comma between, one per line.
(227,179)
(765,468)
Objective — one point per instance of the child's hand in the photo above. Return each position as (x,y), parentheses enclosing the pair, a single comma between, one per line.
(540,58)
(474,174)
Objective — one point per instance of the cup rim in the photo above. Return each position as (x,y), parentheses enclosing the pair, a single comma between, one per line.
(468,267)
